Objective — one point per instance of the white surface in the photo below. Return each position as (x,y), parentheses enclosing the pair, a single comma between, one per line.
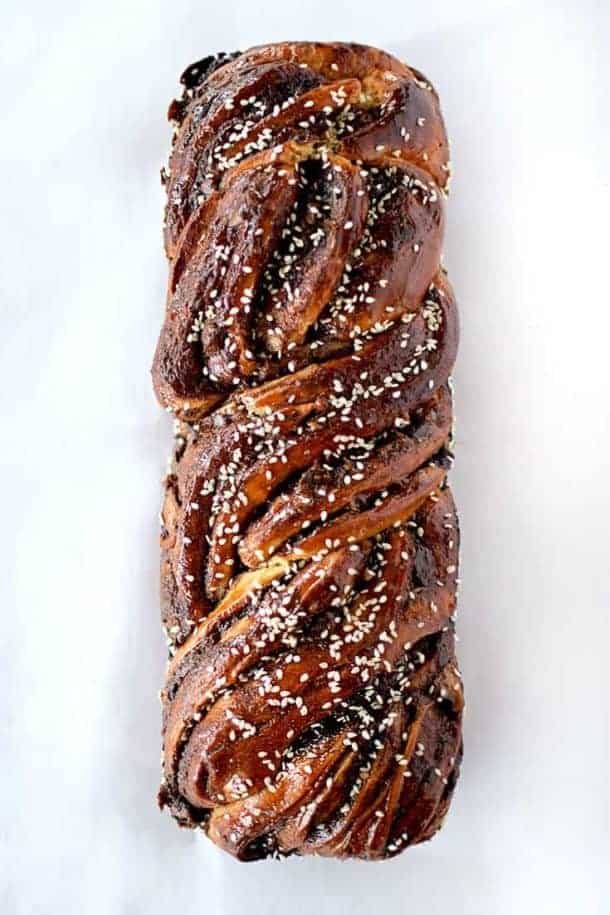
(525,95)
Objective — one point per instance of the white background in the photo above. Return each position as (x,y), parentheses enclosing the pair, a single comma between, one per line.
(84,91)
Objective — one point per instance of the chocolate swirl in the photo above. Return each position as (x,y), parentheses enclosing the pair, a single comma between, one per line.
(309,537)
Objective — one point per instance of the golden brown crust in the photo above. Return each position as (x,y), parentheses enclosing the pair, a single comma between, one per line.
(309,538)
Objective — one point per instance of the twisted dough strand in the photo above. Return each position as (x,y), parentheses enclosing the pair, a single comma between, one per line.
(309,538)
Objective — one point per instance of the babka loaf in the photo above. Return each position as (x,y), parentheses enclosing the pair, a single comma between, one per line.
(309,539)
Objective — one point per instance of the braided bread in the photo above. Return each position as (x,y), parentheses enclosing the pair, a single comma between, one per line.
(309,538)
